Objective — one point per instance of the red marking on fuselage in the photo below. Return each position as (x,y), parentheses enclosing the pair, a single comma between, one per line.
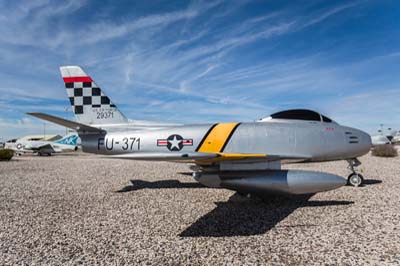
(162,142)
(185,142)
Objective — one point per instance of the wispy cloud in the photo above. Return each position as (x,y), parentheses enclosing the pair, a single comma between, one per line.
(330,12)
(110,30)
(377,108)
(28,23)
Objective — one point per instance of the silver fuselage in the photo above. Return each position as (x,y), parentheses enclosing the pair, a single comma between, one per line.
(317,141)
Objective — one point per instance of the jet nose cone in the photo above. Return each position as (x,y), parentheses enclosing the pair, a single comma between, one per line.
(365,141)
(359,142)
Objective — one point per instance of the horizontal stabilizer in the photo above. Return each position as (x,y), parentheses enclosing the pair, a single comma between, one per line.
(81,128)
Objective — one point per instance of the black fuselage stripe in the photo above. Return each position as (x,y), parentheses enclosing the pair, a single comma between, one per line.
(229,137)
(205,136)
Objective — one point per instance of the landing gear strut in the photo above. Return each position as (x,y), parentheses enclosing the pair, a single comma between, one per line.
(354,179)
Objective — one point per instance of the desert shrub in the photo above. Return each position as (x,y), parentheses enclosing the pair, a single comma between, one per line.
(6,154)
(386,150)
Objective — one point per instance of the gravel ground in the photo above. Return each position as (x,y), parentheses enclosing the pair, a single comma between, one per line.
(81,209)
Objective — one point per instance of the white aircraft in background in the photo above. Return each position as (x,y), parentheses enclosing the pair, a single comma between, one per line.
(388,136)
(396,138)
(41,147)
(379,140)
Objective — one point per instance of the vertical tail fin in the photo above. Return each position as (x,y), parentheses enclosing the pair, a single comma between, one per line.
(90,105)
(68,140)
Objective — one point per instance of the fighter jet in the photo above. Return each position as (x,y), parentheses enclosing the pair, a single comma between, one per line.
(67,143)
(245,157)
(396,138)
(385,136)
(380,139)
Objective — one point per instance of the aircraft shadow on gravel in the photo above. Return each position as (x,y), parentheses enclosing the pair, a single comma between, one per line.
(138,184)
(368,182)
(240,216)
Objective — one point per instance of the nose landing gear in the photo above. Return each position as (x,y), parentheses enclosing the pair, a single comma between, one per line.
(354,179)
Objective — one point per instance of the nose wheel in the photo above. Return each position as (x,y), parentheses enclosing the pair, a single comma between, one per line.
(354,179)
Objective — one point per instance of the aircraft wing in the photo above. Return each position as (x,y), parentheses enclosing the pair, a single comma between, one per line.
(196,157)
(39,147)
(181,157)
(47,149)
(204,157)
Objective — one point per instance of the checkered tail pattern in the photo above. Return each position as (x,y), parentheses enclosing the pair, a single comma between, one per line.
(90,105)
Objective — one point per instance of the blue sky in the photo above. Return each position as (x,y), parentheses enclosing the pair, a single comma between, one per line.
(203,61)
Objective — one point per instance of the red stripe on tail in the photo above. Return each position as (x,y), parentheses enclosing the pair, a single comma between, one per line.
(77,79)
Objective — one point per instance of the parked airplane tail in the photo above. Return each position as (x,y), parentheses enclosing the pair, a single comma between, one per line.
(68,140)
(90,105)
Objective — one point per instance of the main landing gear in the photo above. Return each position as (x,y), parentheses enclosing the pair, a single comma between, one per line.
(354,179)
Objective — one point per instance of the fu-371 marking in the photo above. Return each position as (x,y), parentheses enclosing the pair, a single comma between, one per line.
(126,143)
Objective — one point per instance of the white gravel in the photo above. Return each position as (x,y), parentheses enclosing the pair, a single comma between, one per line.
(68,210)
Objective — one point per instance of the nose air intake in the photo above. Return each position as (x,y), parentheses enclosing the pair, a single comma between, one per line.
(351,137)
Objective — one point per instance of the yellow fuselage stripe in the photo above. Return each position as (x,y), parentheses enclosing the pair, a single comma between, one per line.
(217,137)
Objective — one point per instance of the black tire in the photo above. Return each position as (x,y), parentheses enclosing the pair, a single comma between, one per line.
(355,180)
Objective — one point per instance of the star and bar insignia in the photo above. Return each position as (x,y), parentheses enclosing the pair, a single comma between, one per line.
(175,142)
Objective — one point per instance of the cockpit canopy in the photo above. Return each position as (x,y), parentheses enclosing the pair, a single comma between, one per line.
(299,114)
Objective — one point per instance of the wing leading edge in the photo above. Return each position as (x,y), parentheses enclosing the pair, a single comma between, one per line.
(206,158)
(194,157)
